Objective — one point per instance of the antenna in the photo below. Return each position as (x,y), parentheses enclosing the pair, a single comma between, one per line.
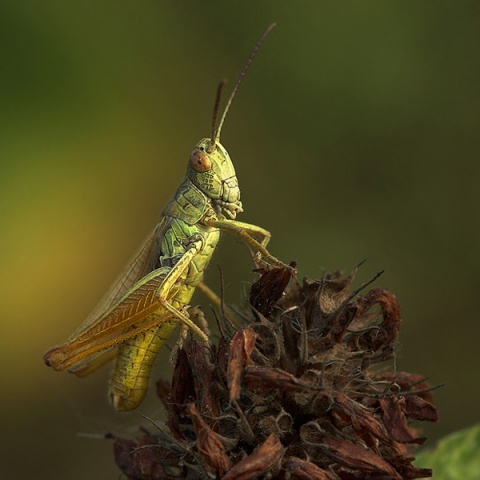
(211,148)
(240,78)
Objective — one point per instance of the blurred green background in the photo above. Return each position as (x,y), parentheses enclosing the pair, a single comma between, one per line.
(355,135)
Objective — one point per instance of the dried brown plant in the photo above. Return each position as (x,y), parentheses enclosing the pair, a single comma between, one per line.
(294,393)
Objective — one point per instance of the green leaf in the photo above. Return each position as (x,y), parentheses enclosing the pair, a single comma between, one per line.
(456,456)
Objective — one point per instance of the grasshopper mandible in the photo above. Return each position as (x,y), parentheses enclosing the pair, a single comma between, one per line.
(150,297)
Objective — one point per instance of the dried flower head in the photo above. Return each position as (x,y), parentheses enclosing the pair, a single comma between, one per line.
(292,394)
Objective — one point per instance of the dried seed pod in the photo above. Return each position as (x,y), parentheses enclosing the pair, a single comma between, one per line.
(291,394)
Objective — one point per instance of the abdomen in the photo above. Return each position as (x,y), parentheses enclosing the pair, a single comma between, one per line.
(136,356)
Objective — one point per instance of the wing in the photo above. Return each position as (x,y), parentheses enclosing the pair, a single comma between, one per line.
(103,343)
(132,315)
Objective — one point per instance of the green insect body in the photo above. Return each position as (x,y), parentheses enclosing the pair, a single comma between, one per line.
(150,297)
(201,194)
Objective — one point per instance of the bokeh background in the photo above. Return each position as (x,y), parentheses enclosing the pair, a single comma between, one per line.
(355,136)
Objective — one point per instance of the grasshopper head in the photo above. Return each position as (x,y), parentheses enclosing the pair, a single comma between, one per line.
(211,170)
(210,167)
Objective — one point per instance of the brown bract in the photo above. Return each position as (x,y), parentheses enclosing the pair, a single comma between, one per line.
(296,393)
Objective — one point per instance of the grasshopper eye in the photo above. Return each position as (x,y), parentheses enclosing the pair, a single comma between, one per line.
(199,161)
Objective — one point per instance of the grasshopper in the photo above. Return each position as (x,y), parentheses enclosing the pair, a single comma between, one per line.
(151,296)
